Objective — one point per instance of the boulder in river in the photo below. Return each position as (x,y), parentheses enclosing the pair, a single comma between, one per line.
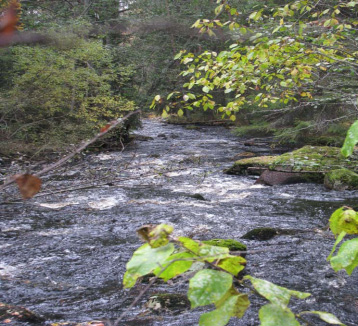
(261,234)
(273,178)
(310,163)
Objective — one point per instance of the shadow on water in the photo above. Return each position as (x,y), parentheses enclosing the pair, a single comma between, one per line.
(63,255)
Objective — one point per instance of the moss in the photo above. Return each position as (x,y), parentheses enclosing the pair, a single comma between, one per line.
(261,234)
(231,244)
(341,179)
(313,159)
(256,164)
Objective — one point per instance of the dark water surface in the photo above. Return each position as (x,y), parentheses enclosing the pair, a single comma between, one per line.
(63,255)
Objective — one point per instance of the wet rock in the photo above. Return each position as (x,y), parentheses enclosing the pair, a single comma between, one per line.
(272,178)
(231,244)
(197,196)
(254,142)
(155,155)
(174,136)
(12,315)
(261,234)
(168,302)
(162,136)
(136,137)
(341,179)
(192,127)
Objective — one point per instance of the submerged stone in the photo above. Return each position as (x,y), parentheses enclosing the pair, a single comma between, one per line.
(231,244)
(11,315)
(341,179)
(261,234)
(164,302)
(197,196)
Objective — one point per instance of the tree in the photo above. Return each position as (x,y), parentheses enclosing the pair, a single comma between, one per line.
(63,92)
(300,53)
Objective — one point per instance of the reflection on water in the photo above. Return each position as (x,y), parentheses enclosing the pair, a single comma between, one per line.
(63,255)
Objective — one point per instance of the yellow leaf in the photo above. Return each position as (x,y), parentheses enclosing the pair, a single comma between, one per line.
(281,22)
(294,72)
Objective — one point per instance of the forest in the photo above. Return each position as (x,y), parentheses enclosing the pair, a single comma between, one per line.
(178,162)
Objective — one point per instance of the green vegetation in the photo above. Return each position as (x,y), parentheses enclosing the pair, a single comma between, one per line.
(215,285)
(341,179)
(231,244)
(61,93)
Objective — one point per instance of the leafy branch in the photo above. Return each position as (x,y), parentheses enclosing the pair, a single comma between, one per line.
(168,257)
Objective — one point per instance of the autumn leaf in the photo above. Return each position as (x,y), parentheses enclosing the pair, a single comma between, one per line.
(29,185)
(8,23)
(105,128)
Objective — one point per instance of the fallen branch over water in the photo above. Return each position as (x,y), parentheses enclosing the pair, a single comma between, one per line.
(113,124)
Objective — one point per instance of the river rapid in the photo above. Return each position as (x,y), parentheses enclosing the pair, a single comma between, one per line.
(63,254)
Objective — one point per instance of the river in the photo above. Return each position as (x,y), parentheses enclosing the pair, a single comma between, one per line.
(63,254)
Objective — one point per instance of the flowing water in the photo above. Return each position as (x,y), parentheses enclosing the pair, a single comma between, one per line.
(63,255)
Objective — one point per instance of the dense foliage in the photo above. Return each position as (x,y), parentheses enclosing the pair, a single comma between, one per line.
(297,61)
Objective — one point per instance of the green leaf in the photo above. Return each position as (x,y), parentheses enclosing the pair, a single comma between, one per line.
(165,114)
(144,260)
(233,264)
(351,140)
(173,269)
(242,304)
(208,286)
(347,257)
(339,239)
(344,220)
(206,89)
(220,316)
(276,294)
(274,315)
(180,112)
(211,253)
(325,316)
(190,244)
(159,235)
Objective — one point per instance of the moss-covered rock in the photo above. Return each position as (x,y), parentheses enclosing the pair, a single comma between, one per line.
(312,162)
(313,159)
(341,179)
(252,165)
(231,244)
